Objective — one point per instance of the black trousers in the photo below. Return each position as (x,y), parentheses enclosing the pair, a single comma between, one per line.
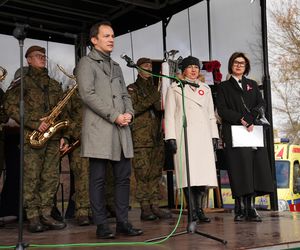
(122,172)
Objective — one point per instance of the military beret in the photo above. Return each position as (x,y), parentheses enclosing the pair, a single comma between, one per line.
(190,60)
(35,48)
(143,60)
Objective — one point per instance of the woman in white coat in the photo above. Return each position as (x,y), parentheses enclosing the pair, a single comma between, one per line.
(201,129)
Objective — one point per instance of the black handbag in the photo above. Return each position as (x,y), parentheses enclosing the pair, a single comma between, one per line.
(260,119)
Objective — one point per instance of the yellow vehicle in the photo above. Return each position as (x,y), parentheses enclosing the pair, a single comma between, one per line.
(287,159)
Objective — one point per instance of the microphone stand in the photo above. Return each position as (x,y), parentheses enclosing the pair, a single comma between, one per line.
(20,34)
(191,226)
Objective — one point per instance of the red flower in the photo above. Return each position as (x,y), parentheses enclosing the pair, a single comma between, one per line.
(216,64)
(208,66)
(218,76)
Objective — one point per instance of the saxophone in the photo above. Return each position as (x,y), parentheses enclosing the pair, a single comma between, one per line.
(3,73)
(38,139)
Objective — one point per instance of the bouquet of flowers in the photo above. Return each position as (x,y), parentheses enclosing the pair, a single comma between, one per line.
(214,67)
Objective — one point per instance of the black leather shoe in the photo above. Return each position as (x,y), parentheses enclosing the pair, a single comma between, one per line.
(201,216)
(239,217)
(104,232)
(35,225)
(52,224)
(127,229)
(252,215)
(83,221)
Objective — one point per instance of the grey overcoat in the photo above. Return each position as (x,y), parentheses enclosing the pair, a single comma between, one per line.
(104,97)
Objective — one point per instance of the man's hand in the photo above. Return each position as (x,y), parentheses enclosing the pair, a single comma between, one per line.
(122,120)
(63,146)
(128,117)
(44,125)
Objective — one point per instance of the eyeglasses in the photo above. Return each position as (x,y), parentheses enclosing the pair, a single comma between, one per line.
(39,56)
(241,64)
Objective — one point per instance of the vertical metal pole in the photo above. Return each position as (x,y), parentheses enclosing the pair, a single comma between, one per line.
(209,30)
(132,56)
(170,182)
(190,33)
(80,47)
(268,98)
(164,35)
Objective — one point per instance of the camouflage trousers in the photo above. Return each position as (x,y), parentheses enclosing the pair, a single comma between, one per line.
(148,164)
(80,168)
(41,178)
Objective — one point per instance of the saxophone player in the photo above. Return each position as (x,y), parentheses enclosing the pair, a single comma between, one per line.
(41,165)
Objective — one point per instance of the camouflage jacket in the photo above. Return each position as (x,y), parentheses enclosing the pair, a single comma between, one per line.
(3,116)
(41,94)
(146,127)
(74,110)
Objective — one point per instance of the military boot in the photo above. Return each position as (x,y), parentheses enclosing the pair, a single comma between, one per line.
(82,217)
(161,213)
(35,225)
(51,223)
(146,213)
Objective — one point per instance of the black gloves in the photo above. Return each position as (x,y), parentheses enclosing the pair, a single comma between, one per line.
(172,145)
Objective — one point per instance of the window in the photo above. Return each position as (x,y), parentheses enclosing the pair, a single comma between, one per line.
(282,173)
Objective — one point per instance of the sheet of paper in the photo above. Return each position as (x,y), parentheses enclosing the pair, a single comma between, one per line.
(242,138)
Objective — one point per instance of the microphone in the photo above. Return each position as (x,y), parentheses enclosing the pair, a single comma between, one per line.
(185,82)
(20,31)
(129,61)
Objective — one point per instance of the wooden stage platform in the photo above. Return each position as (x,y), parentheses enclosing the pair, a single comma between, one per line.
(279,230)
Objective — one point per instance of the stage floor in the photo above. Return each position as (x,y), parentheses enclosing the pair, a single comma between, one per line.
(279,230)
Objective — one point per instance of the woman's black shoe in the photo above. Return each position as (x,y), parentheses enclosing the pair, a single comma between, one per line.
(201,216)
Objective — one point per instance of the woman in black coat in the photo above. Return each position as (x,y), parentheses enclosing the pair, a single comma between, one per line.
(248,168)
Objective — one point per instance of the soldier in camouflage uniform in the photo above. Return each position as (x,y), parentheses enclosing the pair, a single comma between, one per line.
(78,165)
(147,142)
(3,119)
(41,166)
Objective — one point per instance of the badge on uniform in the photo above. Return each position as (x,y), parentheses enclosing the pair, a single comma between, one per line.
(201,92)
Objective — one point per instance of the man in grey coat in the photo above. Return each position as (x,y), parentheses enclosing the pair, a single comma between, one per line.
(106,136)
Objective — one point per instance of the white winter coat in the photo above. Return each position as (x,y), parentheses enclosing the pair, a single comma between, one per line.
(201,128)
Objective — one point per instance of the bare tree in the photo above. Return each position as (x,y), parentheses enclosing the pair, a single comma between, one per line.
(284,44)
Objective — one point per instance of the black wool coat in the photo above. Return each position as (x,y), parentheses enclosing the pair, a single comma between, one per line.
(248,169)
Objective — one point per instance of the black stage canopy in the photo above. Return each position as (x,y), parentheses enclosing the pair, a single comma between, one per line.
(63,20)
